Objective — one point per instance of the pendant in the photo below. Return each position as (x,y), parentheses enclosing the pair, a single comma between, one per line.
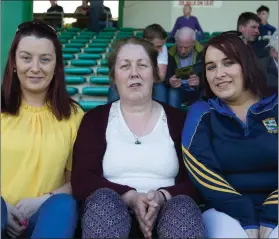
(137,142)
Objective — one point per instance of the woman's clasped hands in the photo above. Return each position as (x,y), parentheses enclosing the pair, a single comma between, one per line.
(146,207)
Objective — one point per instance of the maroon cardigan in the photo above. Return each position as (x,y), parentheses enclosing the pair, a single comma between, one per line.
(90,147)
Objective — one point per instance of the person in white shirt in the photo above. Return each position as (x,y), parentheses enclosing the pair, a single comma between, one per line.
(128,170)
(157,36)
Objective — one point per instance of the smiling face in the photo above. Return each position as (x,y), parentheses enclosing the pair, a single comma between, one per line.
(35,64)
(224,75)
(133,73)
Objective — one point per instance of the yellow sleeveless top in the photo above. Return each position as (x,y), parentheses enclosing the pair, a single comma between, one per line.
(36,149)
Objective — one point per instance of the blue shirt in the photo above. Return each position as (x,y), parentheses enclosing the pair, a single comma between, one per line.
(235,165)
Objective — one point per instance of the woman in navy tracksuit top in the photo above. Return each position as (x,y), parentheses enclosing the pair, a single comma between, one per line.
(230,143)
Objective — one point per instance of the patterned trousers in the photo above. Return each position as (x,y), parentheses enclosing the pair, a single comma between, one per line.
(107,216)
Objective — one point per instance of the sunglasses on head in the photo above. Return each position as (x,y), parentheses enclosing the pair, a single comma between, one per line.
(235,34)
(36,25)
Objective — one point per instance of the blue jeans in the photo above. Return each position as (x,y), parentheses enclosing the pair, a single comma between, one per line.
(56,218)
(4,216)
(177,96)
(160,93)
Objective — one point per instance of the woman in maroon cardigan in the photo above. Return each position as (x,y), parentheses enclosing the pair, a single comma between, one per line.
(127,160)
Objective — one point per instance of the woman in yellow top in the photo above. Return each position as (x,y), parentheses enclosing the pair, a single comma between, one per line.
(39,122)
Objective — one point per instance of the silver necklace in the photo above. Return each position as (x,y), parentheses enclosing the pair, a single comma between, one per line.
(137,139)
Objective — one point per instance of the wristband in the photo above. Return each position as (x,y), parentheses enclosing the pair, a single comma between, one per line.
(164,196)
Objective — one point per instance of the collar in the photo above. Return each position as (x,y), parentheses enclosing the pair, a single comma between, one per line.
(264,104)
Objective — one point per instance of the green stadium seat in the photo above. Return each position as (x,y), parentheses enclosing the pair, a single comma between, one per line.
(83,62)
(110,29)
(68,56)
(103,71)
(65,63)
(95,91)
(104,62)
(88,56)
(73,29)
(74,45)
(72,90)
(71,50)
(68,34)
(126,29)
(78,71)
(87,34)
(101,41)
(104,37)
(206,35)
(75,80)
(122,37)
(63,41)
(169,45)
(204,41)
(84,37)
(106,34)
(97,44)
(58,29)
(139,34)
(88,105)
(79,41)
(65,37)
(94,50)
(99,80)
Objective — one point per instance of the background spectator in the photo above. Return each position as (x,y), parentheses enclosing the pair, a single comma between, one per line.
(96,10)
(188,21)
(248,24)
(83,9)
(55,7)
(265,28)
(185,53)
(270,63)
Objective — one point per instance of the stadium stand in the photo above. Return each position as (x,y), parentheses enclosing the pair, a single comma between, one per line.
(85,58)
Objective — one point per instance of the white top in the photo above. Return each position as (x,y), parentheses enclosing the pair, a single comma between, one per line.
(163,56)
(149,165)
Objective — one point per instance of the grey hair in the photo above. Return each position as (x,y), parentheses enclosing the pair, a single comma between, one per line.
(185,32)
(273,42)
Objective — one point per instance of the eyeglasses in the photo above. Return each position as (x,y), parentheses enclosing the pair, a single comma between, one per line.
(235,34)
(36,24)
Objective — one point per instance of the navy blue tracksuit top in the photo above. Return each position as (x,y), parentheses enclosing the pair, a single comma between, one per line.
(235,165)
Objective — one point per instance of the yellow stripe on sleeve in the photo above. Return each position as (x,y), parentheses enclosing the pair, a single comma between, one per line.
(202,166)
(208,185)
(208,178)
(271,202)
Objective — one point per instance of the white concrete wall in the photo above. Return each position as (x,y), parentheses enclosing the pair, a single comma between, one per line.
(139,14)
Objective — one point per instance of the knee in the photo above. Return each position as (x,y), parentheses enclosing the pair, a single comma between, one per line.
(103,197)
(181,217)
(62,203)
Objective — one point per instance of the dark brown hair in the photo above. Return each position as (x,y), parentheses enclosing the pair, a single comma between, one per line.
(154,31)
(148,47)
(245,17)
(57,98)
(235,48)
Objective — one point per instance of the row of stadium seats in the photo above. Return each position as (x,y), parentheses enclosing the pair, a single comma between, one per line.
(85,57)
